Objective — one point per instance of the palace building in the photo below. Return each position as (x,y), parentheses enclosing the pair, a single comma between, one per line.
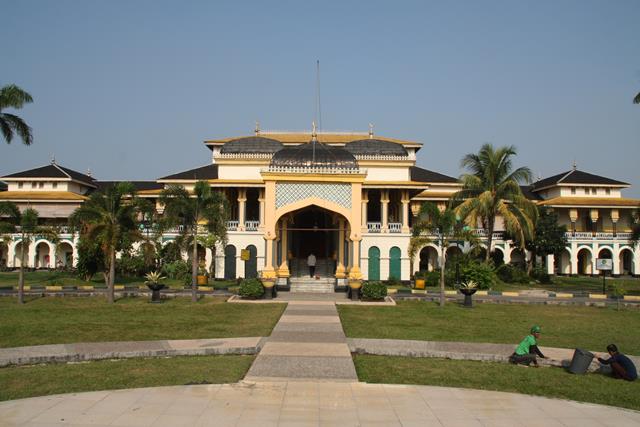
(348,198)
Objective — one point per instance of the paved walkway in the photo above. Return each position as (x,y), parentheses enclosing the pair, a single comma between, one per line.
(307,404)
(307,343)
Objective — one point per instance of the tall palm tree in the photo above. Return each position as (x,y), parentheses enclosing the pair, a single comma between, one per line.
(492,188)
(111,219)
(11,96)
(12,221)
(636,100)
(441,226)
(192,210)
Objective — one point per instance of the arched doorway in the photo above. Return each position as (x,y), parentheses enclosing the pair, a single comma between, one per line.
(17,256)
(230,262)
(43,255)
(311,230)
(563,262)
(626,261)
(584,261)
(497,256)
(251,265)
(64,255)
(374,263)
(4,255)
(453,252)
(428,258)
(605,253)
(394,263)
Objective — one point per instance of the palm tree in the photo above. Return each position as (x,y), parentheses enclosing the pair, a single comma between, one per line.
(493,188)
(26,223)
(11,96)
(636,100)
(110,218)
(441,226)
(190,211)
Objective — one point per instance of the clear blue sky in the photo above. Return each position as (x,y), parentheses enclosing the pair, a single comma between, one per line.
(130,89)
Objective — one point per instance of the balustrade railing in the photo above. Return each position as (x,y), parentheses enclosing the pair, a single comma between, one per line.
(374,227)
(395,227)
(232,225)
(251,225)
(598,235)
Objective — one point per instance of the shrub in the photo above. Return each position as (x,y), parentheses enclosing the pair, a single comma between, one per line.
(479,272)
(177,270)
(251,288)
(541,275)
(432,278)
(374,290)
(511,274)
(393,281)
(131,265)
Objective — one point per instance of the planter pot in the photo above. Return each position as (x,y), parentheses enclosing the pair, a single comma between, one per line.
(202,280)
(268,292)
(155,292)
(468,302)
(420,284)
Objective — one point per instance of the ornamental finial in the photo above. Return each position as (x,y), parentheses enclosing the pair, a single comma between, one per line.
(370,130)
(575,165)
(53,159)
(257,129)
(314,133)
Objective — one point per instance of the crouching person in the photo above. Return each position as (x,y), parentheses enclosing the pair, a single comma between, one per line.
(621,366)
(528,351)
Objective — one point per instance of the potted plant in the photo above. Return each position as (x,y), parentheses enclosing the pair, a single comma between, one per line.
(203,277)
(153,283)
(354,288)
(467,289)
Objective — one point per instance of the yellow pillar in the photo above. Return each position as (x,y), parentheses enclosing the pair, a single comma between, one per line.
(340,268)
(242,199)
(384,201)
(354,271)
(283,270)
(405,211)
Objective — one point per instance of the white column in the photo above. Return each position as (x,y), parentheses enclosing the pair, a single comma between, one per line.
(405,211)
(208,258)
(550,264)
(31,257)
(574,259)
(11,254)
(261,207)
(365,219)
(53,255)
(615,254)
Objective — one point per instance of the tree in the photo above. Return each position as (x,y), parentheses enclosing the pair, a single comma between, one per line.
(109,218)
(441,226)
(492,188)
(189,211)
(11,96)
(90,258)
(636,100)
(635,226)
(550,237)
(26,224)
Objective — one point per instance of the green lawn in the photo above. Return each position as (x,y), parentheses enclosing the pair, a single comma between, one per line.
(43,278)
(52,320)
(40,380)
(578,284)
(562,326)
(550,382)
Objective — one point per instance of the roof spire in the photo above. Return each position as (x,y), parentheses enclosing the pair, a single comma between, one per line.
(575,165)
(370,130)
(53,159)
(314,133)
(257,129)
(89,172)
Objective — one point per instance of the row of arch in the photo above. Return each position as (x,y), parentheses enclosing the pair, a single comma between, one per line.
(40,254)
(395,263)
(584,262)
(250,264)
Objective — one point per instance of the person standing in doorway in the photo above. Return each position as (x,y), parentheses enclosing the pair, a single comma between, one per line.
(311,262)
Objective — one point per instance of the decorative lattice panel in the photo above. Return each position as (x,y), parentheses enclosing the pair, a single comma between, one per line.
(288,192)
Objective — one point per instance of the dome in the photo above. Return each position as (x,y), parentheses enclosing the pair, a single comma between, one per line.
(375,147)
(314,155)
(251,144)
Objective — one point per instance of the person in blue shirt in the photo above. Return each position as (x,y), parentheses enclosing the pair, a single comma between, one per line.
(621,366)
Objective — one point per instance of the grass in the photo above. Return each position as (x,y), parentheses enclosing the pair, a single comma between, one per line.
(562,326)
(550,382)
(578,284)
(51,320)
(26,381)
(44,277)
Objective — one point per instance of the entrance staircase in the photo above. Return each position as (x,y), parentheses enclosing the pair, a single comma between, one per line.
(301,282)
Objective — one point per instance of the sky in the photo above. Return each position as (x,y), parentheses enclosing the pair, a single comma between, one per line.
(130,89)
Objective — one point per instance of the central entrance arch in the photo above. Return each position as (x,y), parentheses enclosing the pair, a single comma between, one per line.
(311,230)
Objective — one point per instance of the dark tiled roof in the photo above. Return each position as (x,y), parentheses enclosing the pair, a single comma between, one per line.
(314,155)
(375,147)
(575,177)
(252,144)
(528,193)
(203,172)
(424,175)
(53,171)
(140,185)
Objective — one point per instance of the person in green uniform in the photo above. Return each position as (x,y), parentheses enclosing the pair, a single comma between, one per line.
(527,351)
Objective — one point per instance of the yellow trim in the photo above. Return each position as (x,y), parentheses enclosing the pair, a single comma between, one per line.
(484,293)
(450,292)
(632,297)
(53,288)
(416,291)
(397,183)
(41,195)
(241,161)
(306,177)
(205,288)
(327,138)
(563,295)
(597,296)
(86,287)
(510,294)
(590,201)
(118,287)
(388,163)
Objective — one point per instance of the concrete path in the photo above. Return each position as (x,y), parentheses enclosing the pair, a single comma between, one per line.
(125,349)
(307,343)
(307,404)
